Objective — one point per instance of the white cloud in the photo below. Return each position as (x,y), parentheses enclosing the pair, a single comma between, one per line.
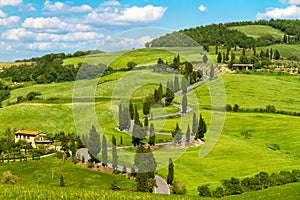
(59,7)
(126,16)
(21,34)
(30,7)
(9,21)
(2,14)
(53,24)
(10,2)
(291,2)
(202,8)
(110,3)
(291,11)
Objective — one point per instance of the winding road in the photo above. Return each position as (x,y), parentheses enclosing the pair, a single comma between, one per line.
(162,186)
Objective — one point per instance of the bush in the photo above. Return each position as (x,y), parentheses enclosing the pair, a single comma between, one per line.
(178,188)
(219,192)
(62,181)
(90,165)
(9,178)
(31,95)
(228,108)
(236,108)
(270,109)
(204,191)
(114,186)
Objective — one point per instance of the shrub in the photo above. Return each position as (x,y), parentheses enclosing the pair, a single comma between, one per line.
(236,108)
(178,188)
(9,178)
(219,192)
(31,95)
(270,109)
(228,107)
(114,186)
(62,181)
(204,191)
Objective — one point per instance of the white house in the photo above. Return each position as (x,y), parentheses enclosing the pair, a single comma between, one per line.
(32,137)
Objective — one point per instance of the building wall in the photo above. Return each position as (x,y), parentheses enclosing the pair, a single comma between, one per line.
(28,138)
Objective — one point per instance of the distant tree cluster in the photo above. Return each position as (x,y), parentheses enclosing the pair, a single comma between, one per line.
(222,34)
(260,181)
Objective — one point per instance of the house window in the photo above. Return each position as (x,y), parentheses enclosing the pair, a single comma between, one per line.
(28,138)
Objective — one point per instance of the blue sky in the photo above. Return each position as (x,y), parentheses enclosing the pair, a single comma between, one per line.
(30,28)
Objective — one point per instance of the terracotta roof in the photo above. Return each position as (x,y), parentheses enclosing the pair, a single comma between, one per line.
(27,132)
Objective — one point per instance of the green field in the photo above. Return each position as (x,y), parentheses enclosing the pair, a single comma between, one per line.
(284,49)
(142,57)
(258,31)
(235,156)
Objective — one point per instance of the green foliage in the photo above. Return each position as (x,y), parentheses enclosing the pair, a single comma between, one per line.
(114,186)
(104,151)
(145,162)
(114,152)
(178,188)
(188,134)
(184,104)
(204,191)
(201,129)
(131,65)
(170,176)
(94,143)
(152,135)
(62,181)
(9,178)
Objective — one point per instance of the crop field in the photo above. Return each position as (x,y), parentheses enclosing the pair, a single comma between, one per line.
(257,31)
(9,64)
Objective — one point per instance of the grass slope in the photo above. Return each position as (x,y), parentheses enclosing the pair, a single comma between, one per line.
(258,31)
(236,156)
(284,49)
(47,172)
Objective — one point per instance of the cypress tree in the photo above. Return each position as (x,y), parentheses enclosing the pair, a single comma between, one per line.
(146,124)
(219,59)
(170,176)
(152,135)
(94,146)
(160,92)
(195,124)
(131,110)
(127,119)
(146,107)
(217,49)
(114,153)
(184,85)
(121,120)
(184,104)
(201,129)
(169,97)
(146,165)
(176,84)
(188,134)
(104,152)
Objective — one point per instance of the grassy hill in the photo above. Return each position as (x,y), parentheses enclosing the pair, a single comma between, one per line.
(258,31)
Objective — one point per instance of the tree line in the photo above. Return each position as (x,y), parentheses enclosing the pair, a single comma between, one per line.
(222,34)
(260,181)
